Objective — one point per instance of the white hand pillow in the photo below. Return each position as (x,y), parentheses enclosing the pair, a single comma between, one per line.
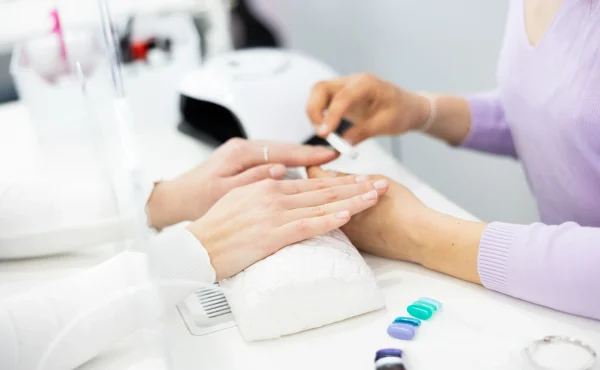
(303,286)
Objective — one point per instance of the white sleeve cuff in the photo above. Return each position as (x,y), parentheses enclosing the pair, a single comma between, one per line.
(147,189)
(178,255)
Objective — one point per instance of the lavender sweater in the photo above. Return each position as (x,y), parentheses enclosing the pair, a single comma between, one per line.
(546,113)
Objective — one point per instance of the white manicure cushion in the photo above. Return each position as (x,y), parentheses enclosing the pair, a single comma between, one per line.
(303,286)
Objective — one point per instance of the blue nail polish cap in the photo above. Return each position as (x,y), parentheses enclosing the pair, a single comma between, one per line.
(407,320)
(388,352)
(432,301)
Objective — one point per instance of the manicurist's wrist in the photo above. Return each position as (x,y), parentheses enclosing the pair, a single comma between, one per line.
(405,237)
(419,232)
(448,244)
(421,111)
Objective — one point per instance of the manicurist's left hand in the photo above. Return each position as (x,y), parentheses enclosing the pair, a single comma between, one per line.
(236,163)
(385,230)
(401,227)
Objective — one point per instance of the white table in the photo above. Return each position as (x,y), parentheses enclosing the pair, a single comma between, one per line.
(477,328)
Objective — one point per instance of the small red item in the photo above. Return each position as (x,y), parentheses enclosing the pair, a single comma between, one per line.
(139,50)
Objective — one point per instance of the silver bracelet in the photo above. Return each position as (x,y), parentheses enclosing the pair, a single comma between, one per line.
(432,113)
(530,350)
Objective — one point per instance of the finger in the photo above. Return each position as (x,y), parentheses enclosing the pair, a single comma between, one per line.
(317,172)
(300,186)
(320,96)
(254,174)
(354,205)
(257,152)
(351,95)
(318,198)
(358,133)
(306,228)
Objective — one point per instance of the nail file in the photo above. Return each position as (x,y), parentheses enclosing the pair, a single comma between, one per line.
(341,145)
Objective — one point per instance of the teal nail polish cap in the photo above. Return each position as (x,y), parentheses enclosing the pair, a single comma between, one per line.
(432,307)
(434,302)
(419,311)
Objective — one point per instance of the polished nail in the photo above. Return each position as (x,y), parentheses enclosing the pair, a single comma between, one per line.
(327,151)
(277,171)
(343,214)
(380,184)
(322,129)
(370,195)
(361,178)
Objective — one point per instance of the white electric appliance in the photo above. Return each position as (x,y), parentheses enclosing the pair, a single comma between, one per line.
(255,94)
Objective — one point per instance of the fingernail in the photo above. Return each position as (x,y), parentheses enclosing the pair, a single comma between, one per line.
(277,171)
(361,178)
(322,129)
(328,152)
(370,195)
(380,184)
(343,214)
(332,173)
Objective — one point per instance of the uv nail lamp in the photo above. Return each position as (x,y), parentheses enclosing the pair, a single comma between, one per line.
(254,94)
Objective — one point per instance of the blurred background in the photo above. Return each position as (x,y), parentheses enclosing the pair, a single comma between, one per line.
(432,45)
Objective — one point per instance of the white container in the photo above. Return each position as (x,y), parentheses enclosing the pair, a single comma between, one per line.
(51,88)
(152,88)
(83,197)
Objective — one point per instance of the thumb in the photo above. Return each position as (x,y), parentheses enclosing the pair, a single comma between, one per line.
(257,173)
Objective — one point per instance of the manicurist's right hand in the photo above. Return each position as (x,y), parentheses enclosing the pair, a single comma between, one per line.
(376,107)
(254,221)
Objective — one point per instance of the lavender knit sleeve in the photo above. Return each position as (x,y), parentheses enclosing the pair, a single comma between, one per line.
(554,266)
(489,131)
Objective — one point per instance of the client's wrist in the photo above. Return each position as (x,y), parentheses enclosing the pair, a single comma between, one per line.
(166,205)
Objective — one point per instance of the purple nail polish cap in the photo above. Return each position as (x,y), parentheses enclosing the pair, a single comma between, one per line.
(388,352)
(401,331)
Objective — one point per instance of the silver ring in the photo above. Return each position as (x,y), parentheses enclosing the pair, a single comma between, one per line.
(266,153)
(532,348)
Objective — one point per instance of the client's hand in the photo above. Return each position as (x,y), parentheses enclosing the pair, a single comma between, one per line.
(388,229)
(236,163)
(252,222)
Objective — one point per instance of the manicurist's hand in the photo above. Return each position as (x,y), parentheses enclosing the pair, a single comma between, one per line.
(236,163)
(376,107)
(401,227)
(254,221)
(387,229)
